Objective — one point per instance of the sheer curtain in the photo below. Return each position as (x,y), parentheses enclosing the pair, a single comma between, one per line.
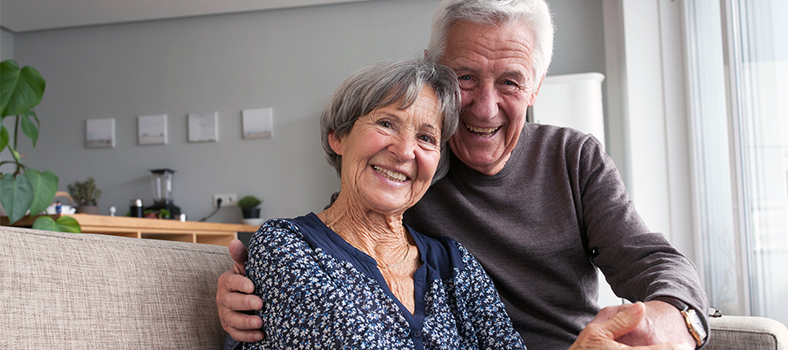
(739,91)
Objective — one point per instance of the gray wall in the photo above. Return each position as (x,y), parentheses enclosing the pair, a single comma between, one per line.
(6,45)
(290,60)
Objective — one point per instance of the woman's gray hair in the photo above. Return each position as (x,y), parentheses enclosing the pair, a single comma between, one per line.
(534,13)
(382,85)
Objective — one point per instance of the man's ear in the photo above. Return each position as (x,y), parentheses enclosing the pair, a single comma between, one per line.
(426,53)
(335,143)
(532,98)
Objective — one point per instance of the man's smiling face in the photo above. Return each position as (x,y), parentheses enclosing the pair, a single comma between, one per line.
(496,76)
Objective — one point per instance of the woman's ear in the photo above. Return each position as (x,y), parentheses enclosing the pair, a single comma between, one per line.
(335,143)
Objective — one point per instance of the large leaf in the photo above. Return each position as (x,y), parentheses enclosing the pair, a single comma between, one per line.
(62,224)
(20,89)
(30,129)
(16,194)
(44,188)
(4,138)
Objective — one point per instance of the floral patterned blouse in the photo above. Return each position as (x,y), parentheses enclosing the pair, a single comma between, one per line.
(319,292)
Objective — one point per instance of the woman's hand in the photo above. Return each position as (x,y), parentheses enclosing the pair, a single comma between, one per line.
(603,335)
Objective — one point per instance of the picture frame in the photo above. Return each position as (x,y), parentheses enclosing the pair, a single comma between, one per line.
(258,123)
(100,133)
(203,127)
(152,129)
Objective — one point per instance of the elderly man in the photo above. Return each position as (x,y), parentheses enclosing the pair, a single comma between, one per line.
(539,206)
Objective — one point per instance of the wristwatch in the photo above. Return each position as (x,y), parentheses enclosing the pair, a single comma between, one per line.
(695,323)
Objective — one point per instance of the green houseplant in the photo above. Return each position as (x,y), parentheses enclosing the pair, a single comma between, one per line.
(249,207)
(25,189)
(86,195)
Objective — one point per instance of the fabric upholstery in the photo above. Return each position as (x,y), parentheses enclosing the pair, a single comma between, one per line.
(86,291)
(746,333)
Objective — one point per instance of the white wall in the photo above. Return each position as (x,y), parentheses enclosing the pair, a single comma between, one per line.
(290,60)
(644,38)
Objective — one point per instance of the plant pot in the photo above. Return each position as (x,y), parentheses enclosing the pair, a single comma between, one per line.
(253,222)
(88,209)
(251,213)
(251,216)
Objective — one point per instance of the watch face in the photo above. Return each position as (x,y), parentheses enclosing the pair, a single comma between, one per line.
(697,323)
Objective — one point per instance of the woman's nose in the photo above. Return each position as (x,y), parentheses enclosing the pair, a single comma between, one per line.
(404,148)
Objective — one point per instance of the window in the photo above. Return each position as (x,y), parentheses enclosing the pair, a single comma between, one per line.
(738,54)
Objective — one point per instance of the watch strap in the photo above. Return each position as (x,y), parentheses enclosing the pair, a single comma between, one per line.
(689,313)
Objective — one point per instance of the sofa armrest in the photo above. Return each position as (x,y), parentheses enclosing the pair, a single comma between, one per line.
(86,291)
(746,333)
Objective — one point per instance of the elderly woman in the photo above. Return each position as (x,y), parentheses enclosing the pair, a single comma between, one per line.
(354,275)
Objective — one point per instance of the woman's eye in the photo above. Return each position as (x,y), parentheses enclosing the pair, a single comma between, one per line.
(427,138)
(464,77)
(385,123)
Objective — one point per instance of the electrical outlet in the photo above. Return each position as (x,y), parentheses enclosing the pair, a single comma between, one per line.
(228,199)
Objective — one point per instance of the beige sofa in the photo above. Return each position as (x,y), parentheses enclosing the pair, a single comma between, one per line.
(85,291)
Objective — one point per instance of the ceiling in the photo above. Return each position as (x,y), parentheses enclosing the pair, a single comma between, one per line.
(20,16)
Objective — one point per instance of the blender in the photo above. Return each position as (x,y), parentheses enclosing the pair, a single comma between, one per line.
(162,193)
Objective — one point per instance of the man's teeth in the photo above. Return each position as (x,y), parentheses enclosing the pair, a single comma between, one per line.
(481,130)
(390,174)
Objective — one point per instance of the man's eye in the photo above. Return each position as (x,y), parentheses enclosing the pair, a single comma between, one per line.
(466,82)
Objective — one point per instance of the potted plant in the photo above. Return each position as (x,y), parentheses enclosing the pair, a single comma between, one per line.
(86,195)
(250,209)
(26,189)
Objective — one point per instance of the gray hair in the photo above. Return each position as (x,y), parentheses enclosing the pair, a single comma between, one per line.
(534,13)
(382,85)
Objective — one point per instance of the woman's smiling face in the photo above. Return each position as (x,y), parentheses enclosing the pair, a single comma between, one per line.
(391,154)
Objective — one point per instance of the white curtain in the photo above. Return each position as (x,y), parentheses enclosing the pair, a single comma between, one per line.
(739,92)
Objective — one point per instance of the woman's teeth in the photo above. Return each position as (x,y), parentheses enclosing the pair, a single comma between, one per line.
(483,131)
(399,177)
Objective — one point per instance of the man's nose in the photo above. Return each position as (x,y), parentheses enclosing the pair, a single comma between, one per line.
(485,102)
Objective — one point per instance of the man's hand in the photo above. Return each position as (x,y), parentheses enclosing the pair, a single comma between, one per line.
(233,298)
(602,335)
(662,323)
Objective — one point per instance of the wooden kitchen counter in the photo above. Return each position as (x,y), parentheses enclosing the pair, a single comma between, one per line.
(172,230)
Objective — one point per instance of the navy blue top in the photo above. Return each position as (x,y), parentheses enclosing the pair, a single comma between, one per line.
(321,292)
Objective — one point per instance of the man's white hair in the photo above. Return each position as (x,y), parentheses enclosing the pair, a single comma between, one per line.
(533,13)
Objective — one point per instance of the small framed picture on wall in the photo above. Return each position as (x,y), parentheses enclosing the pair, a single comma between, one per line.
(203,127)
(100,133)
(152,129)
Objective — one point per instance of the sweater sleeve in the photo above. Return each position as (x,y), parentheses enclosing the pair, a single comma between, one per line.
(302,307)
(484,310)
(640,265)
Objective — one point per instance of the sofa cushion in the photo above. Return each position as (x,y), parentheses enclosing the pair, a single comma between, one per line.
(746,333)
(62,290)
